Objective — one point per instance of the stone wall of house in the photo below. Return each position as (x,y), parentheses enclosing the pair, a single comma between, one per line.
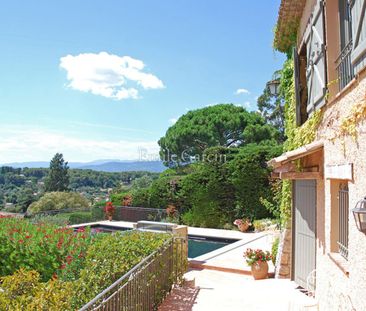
(335,289)
(283,260)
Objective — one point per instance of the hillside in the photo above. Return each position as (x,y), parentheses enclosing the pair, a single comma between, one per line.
(100,165)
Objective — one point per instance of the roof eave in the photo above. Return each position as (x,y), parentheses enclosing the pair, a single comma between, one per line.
(288,21)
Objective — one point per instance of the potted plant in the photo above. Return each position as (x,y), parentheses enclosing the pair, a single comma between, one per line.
(109,210)
(257,260)
(242,224)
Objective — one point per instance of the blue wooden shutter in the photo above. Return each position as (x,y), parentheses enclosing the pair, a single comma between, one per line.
(315,48)
(297,87)
(358,56)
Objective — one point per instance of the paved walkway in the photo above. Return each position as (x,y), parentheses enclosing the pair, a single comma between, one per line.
(221,291)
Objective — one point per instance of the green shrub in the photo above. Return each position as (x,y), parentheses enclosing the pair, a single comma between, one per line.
(60,220)
(64,219)
(111,256)
(264,224)
(97,213)
(141,197)
(48,268)
(229,226)
(80,218)
(275,244)
(205,215)
(48,249)
(24,291)
(59,201)
(250,176)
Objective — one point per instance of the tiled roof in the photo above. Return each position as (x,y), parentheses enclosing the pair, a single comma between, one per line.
(289,17)
(296,154)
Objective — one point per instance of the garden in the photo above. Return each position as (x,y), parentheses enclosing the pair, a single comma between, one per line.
(47,267)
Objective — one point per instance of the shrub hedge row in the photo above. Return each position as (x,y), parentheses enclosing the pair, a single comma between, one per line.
(43,267)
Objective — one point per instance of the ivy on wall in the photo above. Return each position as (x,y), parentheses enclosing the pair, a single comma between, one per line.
(350,122)
(296,136)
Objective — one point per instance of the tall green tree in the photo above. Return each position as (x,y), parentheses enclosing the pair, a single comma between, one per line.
(222,125)
(272,109)
(58,176)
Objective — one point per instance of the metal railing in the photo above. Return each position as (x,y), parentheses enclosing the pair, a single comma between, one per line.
(344,66)
(343,211)
(145,286)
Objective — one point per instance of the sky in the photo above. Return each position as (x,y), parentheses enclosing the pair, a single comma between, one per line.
(103,79)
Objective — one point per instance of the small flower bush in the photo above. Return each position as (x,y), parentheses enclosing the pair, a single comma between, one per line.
(47,249)
(44,267)
(256,256)
(242,224)
(109,209)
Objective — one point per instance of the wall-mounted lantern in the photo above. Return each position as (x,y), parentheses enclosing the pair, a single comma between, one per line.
(359,212)
(274,84)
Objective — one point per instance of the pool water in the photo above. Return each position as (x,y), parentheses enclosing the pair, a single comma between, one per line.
(200,246)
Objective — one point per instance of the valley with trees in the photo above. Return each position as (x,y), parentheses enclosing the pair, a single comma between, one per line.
(216,172)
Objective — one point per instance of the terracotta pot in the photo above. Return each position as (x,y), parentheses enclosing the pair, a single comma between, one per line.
(110,217)
(243,227)
(260,270)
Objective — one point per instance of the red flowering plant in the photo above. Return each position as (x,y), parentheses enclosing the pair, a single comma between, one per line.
(172,211)
(127,200)
(51,251)
(256,256)
(109,209)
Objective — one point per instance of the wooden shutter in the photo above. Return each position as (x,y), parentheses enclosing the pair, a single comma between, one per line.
(297,87)
(316,70)
(358,56)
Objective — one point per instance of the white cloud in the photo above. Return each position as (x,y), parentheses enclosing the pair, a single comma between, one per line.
(35,144)
(242,91)
(173,120)
(108,75)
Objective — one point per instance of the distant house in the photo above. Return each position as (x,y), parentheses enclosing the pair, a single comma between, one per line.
(329,175)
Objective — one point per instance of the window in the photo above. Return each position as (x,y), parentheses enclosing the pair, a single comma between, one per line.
(310,67)
(358,14)
(301,86)
(344,64)
(343,212)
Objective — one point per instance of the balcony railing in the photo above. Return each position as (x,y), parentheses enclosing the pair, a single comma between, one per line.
(145,286)
(344,66)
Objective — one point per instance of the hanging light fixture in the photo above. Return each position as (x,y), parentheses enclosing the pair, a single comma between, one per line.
(274,84)
(359,212)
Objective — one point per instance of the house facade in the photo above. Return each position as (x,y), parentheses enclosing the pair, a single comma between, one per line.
(328,176)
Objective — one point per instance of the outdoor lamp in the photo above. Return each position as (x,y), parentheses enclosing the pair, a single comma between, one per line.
(274,84)
(359,212)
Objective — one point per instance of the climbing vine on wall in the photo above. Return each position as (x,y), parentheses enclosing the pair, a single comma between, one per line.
(296,136)
(350,122)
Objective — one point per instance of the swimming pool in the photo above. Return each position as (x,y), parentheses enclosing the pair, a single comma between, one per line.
(197,245)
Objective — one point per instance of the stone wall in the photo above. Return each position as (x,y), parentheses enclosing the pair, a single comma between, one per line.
(283,260)
(341,284)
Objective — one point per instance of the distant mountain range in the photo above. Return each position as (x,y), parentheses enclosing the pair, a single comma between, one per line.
(100,165)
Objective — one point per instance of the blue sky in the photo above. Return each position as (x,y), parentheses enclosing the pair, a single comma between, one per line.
(99,79)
